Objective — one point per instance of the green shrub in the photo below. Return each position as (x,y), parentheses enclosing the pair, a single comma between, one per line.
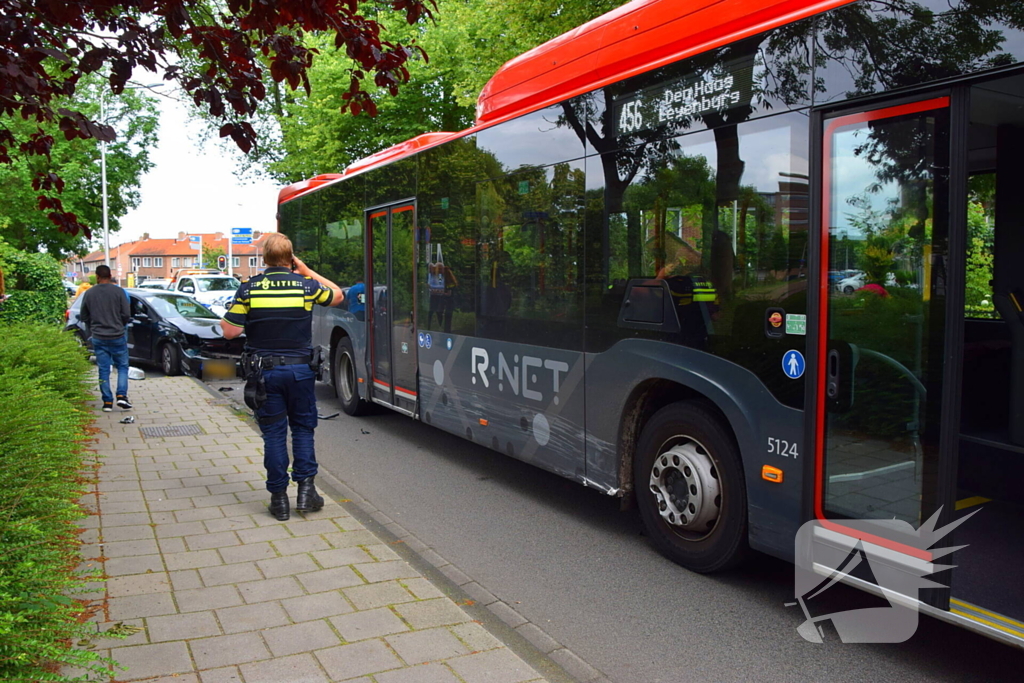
(42,410)
(34,287)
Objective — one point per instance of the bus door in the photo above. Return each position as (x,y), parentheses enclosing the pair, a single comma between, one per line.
(392,325)
(882,324)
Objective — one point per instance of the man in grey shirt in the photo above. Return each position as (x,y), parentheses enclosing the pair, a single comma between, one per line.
(105,312)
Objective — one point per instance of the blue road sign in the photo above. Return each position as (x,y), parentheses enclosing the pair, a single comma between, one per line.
(241,231)
(428,341)
(793,364)
(241,240)
(422,339)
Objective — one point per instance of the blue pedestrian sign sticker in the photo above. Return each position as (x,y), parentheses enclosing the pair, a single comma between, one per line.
(448,343)
(793,364)
(427,341)
(421,339)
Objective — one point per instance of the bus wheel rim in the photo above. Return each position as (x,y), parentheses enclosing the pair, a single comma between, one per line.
(347,377)
(686,488)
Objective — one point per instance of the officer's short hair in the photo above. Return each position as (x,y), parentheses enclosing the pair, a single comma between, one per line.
(103,272)
(278,250)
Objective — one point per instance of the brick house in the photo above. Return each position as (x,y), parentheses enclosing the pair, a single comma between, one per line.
(161,258)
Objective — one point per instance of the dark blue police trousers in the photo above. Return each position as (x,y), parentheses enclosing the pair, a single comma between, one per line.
(291,402)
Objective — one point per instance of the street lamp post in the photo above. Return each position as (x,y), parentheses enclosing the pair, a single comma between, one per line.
(103,167)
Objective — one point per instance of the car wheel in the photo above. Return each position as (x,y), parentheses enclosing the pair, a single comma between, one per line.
(346,386)
(848,289)
(688,480)
(170,359)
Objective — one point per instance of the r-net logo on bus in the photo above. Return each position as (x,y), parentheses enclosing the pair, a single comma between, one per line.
(526,375)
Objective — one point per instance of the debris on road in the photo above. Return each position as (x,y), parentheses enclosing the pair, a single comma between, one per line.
(128,420)
(328,417)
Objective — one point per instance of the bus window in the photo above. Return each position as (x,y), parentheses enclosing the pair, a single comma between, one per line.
(343,236)
(722,216)
(978,301)
(528,256)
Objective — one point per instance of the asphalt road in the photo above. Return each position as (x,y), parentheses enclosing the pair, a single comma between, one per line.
(570,562)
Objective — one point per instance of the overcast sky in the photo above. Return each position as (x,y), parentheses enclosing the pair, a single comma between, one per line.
(193,189)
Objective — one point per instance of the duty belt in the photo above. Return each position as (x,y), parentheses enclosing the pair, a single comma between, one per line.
(274,361)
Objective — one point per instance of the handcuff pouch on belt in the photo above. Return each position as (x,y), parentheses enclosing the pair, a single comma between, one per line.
(255,386)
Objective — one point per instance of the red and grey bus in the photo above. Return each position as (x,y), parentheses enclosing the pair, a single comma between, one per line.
(743,264)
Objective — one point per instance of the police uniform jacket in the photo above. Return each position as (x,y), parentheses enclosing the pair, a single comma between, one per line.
(276,310)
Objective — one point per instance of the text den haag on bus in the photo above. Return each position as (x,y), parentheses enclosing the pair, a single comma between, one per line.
(625,273)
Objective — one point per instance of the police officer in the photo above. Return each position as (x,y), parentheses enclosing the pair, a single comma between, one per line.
(275,310)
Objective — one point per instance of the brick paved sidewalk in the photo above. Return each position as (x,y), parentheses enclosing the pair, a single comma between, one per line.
(217,590)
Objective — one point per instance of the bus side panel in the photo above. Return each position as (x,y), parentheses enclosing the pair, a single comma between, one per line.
(767,432)
(521,400)
(339,321)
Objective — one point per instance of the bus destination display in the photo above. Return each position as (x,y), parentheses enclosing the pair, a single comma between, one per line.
(682,100)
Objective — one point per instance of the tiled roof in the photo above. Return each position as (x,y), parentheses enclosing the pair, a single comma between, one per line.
(176,247)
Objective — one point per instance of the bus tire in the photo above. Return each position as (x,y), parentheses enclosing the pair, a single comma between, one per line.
(346,386)
(688,480)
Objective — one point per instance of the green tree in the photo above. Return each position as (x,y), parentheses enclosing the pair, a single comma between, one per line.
(467,43)
(133,115)
(210,255)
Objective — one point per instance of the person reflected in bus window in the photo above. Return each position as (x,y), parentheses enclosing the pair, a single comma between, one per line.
(497,296)
(357,299)
(695,300)
(441,283)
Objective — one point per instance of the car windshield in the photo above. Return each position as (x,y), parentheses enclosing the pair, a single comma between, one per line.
(217,284)
(180,307)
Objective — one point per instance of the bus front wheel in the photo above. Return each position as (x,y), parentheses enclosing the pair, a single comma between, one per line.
(345,383)
(689,488)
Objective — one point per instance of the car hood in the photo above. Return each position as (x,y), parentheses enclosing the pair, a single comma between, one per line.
(208,328)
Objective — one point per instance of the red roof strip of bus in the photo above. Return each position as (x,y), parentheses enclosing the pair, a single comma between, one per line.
(637,37)
(402,149)
(295,189)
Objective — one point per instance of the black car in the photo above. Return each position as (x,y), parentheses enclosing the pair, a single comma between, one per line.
(174,332)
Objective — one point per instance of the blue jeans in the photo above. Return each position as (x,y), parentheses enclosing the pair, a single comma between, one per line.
(112,352)
(291,402)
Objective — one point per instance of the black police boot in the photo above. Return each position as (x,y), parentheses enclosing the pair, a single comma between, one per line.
(279,505)
(307,499)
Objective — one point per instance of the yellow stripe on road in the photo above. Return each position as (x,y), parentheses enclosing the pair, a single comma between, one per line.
(971,502)
(277,302)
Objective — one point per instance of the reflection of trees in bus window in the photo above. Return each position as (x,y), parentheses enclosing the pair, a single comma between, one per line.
(342,239)
(900,43)
(529,255)
(306,235)
(447,208)
(978,302)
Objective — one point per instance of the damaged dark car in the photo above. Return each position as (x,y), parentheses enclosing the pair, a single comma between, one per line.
(173,332)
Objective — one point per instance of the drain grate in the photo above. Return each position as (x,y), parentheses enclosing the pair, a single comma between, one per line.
(170,430)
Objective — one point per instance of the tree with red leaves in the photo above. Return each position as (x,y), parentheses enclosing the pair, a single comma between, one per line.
(219,56)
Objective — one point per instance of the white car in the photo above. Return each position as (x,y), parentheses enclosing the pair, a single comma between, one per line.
(155,283)
(213,291)
(852,284)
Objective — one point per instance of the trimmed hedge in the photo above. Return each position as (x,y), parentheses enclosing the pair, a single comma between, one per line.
(43,375)
(35,289)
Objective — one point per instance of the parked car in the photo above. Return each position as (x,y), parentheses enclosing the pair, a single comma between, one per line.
(851,284)
(70,287)
(155,283)
(172,331)
(213,290)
